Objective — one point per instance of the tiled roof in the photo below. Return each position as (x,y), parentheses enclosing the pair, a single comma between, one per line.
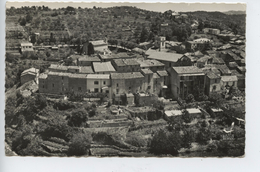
(78,75)
(232,64)
(212,75)
(58,74)
(155,75)
(103,67)
(117,56)
(126,62)
(193,111)
(26,44)
(163,56)
(216,60)
(31,70)
(223,69)
(128,75)
(86,69)
(89,59)
(204,59)
(241,68)
(146,71)
(162,73)
(98,76)
(58,67)
(234,56)
(170,113)
(149,63)
(228,78)
(187,69)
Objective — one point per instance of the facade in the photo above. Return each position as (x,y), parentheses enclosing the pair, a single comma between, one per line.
(29,74)
(185,79)
(99,83)
(147,85)
(212,83)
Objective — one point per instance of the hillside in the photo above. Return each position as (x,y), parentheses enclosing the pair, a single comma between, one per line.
(235,12)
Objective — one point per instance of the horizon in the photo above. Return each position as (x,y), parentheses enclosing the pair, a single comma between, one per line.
(157,7)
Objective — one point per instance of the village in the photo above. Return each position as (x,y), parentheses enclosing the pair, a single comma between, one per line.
(197,84)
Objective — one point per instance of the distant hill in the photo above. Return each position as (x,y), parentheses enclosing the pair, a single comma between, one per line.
(234,12)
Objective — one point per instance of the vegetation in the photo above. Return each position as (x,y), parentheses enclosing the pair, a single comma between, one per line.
(80,144)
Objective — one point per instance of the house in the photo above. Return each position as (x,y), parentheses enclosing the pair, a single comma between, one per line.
(103,67)
(29,74)
(232,65)
(26,47)
(99,83)
(129,82)
(194,112)
(185,79)
(153,65)
(201,44)
(173,114)
(203,61)
(126,65)
(212,83)
(165,80)
(212,31)
(241,79)
(241,69)
(168,59)
(228,81)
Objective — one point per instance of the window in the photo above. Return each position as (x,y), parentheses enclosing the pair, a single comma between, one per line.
(117,91)
(149,87)
(104,82)
(43,86)
(79,88)
(107,91)
(117,85)
(190,77)
(62,77)
(233,83)
(214,88)
(216,80)
(96,82)
(181,77)
(96,90)
(52,85)
(129,88)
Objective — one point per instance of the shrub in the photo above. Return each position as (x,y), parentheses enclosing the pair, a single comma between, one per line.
(203,136)
(63,105)
(187,118)
(80,144)
(187,138)
(165,143)
(136,140)
(77,118)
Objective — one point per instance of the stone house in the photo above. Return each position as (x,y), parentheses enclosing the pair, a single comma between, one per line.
(87,60)
(99,83)
(212,83)
(185,79)
(153,65)
(103,67)
(147,85)
(228,81)
(29,74)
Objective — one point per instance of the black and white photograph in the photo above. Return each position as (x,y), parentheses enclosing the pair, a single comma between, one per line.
(91,79)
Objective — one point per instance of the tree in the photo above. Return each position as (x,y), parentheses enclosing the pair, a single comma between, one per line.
(77,118)
(190,98)
(216,99)
(90,49)
(187,118)
(28,18)
(80,144)
(23,22)
(203,136)
(144,35)
(165,143)
(187,138)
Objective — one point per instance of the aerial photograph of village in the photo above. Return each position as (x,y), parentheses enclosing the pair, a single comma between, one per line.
(124,81)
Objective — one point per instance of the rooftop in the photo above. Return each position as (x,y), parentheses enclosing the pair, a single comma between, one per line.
(162,73)
(146,71)
(58,67)
(98,76)
(117,56)
(88,58)
(187,69)
(26,44)
(173,113)
(155,75)
(128,75)
(232,64)
(163,56)
(212,75)
(86,69)
(149,63)
(193,110)
(126,62)
(229,78)
(103,67)
(43,76)
(98,42)
(30,70)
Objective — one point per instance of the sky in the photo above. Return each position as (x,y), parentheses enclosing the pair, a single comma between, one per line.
(159,7)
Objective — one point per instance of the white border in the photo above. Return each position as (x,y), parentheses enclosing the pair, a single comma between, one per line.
(249,163)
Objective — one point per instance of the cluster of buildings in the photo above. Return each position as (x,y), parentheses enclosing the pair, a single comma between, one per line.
(158,72)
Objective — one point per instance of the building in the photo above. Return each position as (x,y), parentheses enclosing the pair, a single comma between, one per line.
(126,65)
(26,47)
(212,83)
(103,68)
(70,69)
(168,59)
(228,81)
(109,57)
(29,74)
(212,31)
(185,79)
(99,83)
(153,65)
(201,44)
